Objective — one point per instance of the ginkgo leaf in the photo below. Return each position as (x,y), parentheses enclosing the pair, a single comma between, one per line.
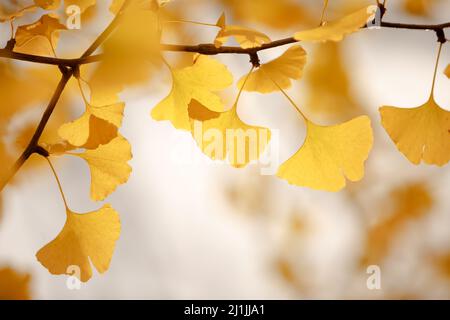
(48,4)
(447,71)
(330,96)
(14,285)
(39,38)
(247,38)
(281,70)
(336,30)
(421,133)
(224,135)
(329,154)
(108,166)
(97,126)
(198,82)
(85,238)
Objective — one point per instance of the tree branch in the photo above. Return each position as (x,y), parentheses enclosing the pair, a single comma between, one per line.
(206,49)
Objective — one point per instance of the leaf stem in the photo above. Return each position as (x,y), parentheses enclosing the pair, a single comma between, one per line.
(436,69)
(58,182)
(192,22)
(324,9)
(243,85)
(286,95)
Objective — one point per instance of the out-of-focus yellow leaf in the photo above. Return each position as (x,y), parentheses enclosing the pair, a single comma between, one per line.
(39,38)
(98,125)
(447,71)
(329,154)
(247,38)
(279,14)
(336,30)
(409,202)
(85,238)
(328,83)
(128,60)
(442,262)
(108,166)
(48,4)
(418,7)
(421,133)
(198,82)
(224,136)
(281,70)
(13,285)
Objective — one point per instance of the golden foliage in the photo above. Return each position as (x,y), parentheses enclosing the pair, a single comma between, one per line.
(14,285)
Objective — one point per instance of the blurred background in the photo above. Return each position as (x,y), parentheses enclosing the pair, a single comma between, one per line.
(200,230)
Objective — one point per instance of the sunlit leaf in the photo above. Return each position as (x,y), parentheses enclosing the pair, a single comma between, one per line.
(198,82)
(108,166)
(98,125)
(287,67)
(39,38)
(337,30)
(421,133)
(329,154)
(224,136)
(85,238)
(247,38)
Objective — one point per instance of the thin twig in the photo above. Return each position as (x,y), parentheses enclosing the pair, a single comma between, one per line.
(33,144)
(206,49)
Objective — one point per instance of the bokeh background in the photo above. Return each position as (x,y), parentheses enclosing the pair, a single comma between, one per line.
(192,229)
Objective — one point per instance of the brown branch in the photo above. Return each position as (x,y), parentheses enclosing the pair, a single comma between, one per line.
(206,49)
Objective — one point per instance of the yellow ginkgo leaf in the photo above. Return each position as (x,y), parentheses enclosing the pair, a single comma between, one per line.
(421,133)
(97,126)
(281,70)
(39,38)
(329,154)
(48,4)
(336,30)
(224,135)
(447,71)
(194,82)
(247,38)
(330,96)
(85,238)
(108,166)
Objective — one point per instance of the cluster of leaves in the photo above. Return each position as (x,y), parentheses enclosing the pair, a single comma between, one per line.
(328,156)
